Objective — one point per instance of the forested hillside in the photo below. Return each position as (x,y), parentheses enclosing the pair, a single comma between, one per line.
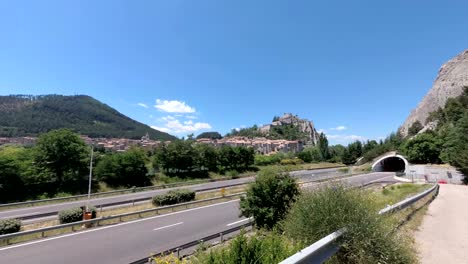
(25,115)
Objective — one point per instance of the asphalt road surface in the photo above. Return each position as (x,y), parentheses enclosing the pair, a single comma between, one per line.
(52,209)
(130,241)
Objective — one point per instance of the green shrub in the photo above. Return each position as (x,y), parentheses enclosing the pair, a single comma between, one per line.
(174,197)
(74,215)
(293,161)
(262,248)
(269,198)
(8,226)
(233,174)
(369,237)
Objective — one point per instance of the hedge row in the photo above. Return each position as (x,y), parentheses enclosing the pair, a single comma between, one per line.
(174,197)
(8,226)
(74,215)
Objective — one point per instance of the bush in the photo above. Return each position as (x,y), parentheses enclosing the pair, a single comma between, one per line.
(262,248)
(369,237)
(174,197)
(233,174)
(8,226)
(74,215)
(294,161)
(268,198)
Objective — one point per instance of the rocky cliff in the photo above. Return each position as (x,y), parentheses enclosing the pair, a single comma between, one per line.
(450,82)
(304,126)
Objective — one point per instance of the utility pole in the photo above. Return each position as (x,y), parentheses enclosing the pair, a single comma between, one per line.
(90,176)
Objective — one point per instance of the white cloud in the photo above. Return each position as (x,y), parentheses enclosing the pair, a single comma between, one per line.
(143,105)
(191,117)
(173,125)
(173,106)
(345,139)
(168,118)
(163,129)
(339,128)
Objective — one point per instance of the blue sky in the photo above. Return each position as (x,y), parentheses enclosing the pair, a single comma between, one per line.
(355,68)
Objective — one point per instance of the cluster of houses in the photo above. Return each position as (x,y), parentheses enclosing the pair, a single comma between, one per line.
(111,144)
(123,144)
(260,144)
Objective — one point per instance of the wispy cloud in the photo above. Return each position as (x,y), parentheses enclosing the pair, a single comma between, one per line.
(339,128)
(143,105)
(173,106)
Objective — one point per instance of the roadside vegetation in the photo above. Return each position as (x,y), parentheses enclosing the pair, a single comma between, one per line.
(287,221)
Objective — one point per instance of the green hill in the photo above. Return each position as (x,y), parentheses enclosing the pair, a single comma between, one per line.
(26,115)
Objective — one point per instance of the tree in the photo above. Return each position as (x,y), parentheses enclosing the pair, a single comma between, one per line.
(123,169)
(415,128)
(355,149)
(11,183)
(336,152)
(269,198)
(177,158)
(323,146)
(62,154)
(206,157)
(347,158)
(456,147)
(424,148)
(310,154)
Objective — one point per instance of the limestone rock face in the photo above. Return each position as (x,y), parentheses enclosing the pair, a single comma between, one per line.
(304,126)
(450,82)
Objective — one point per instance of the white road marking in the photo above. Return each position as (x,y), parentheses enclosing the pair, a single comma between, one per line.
(159,228)
(240,221)
(112,226)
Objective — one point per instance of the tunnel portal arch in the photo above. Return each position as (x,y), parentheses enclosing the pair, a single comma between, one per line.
(392,163)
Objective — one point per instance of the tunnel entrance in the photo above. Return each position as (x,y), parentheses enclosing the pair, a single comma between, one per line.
(391,164)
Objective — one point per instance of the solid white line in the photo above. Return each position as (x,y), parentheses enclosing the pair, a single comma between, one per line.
(112,226)
(240,221)
(159,228)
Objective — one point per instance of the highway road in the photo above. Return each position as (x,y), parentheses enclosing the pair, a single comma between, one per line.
(130,241)
(43,212)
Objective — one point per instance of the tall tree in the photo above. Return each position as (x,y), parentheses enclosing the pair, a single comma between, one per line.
(456,147)
(323,146)
(123,169)
(62,154)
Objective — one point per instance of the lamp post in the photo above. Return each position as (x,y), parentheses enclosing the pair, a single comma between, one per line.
(90,176)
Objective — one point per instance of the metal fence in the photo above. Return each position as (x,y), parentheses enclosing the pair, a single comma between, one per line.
(221,236)
(133,190)
(72,227)
(328,246)
(104,194)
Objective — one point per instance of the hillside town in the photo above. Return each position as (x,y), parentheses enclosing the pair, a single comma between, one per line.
(261,145)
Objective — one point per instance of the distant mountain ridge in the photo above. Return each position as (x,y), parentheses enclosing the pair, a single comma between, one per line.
(27,115)
(450,83)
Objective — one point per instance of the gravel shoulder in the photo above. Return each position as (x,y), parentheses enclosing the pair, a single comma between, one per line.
(443,234)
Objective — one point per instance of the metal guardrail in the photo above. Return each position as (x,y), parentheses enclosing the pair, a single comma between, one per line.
(103,194)
(326,247)
(129,201)
(41,232)
(123,191)
(192,244)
